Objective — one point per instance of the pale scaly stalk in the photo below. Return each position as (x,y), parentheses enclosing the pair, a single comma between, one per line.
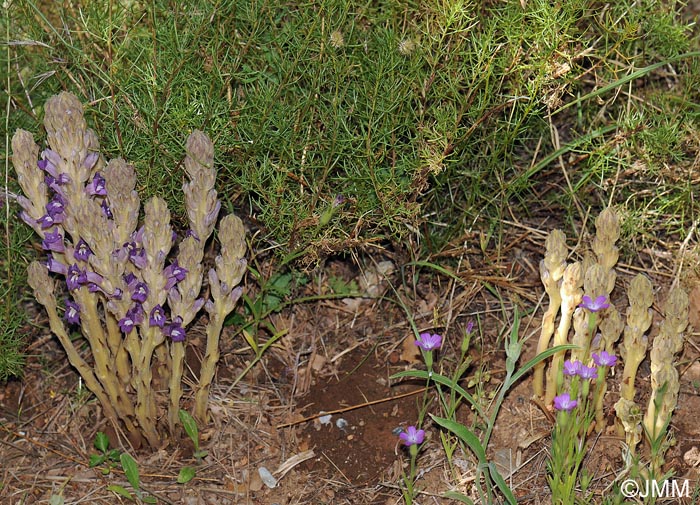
(551,271)
(145,399)
(630,415)
(230,268)
(634,345)
(666,345)
(581,338)
(43,288)
(115,340)
(105,368)
(610,330)
(571,294)
(202,211)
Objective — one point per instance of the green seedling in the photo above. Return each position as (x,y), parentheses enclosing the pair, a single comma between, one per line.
(187,473)
(113,457)
(131,470)
(107,456)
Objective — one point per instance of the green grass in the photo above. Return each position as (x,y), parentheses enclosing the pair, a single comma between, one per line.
(428,117)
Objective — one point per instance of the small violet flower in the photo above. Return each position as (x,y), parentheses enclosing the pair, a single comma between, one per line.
(588,372)
(412,436)
(126,324)
(138,257)
(82,251)
(135,313)
(564,402)
(573,367)
(55,206)
(600,303)
(47,220)
(604,359)
(74,277)
(157,316)
(338,201)
(53,241)
(174,273)
(106,211)
(56,266)
(429,341)
(72,313)
(97,186)
(140,292)
(175,330)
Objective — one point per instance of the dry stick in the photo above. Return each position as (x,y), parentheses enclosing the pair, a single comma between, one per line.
(352,407)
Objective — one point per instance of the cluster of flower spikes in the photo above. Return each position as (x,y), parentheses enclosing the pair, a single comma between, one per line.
(79,273)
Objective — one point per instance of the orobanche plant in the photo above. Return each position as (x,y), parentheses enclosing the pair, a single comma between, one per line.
(126,288)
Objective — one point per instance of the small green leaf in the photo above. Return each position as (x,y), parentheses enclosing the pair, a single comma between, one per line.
(465,435)
(540,357)
(97,459)
(56,500)
(186,474)
(101,442)
(501,483)
(190,426)
(120,491)
(149,499)
(201,454)
(454,495)
(131,470)
(445,381)
(114,454)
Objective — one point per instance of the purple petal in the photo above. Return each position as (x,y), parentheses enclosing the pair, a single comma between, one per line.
(82,251)
(72,313)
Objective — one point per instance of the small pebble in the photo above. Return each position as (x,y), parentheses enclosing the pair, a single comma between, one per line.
(341,423)
(267,478)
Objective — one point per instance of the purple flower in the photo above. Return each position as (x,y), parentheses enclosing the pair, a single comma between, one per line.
(126,324)
(97,186)
(72,313)
(604,359)
(470,327)
(82,251)
(572,367)
(157,316)
(56,266)
(338,201)
(53,241)
(49,162)
(429,341)
(106,210)
(47,220)
(140,292)
(174,273)
(564,402)
(600,303)
(175,330)
(75,277)
(135,313)
(138,258)
(588,372)
(56,206)
(412,436)
(130,280)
